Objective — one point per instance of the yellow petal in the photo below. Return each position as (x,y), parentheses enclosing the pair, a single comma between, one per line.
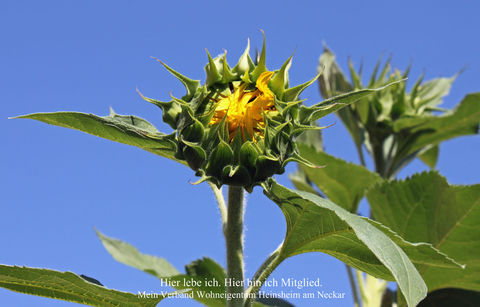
(244,110)
(262,82)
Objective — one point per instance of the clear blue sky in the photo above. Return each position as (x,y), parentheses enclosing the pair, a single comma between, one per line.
(57,184)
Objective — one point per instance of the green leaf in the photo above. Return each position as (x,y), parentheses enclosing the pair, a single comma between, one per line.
(342,182)
(126,129)
(354,126)
(316,224)
(193,281)
(430,93)
(291,94)
(307,236)
(332,81)
(426,208)
(424,131)
(69,287)
(419,253)
(129,255)
(430,156)
(321,109)
(301,181)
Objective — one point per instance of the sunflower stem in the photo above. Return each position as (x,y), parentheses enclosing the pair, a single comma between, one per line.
(234,243)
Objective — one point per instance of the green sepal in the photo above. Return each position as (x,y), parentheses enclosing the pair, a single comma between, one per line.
(236,143)
(261,67)
(355,77)
(184,125)
(289,107)
(170,109)
(182,103)
(193,132)
(198,102)
(238,175)
(283,143)
(194,155)
(386,68)
(301,128)
(228,76)
(280,79)
(375,72)
(223,133)
(299,159)
(204,178)
(267,167)
(267,131)
(414,91)
(245,63)
(179,152)
(213,76)
(281,126)
(248,156)
(220,157)
(190,85)
(292,93)
(213,132)
(246,77)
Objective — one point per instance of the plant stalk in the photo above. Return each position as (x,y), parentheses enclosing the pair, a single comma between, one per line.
(356,300)
(261,276)
(234,243)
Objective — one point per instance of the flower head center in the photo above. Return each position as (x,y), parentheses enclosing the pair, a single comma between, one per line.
(243,110)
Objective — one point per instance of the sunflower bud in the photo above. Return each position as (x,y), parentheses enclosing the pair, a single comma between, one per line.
(239,128)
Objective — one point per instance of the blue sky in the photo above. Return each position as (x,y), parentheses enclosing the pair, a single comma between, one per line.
(58,184)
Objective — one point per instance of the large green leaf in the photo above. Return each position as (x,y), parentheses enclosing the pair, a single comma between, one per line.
(332,82)
(126,129)
(423,131)
(342,182)
(426,208)
(198,271)
(315,224)
(333,104)
(313,139)
(69,287)
(301,181)
(430,156)
(430,93)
